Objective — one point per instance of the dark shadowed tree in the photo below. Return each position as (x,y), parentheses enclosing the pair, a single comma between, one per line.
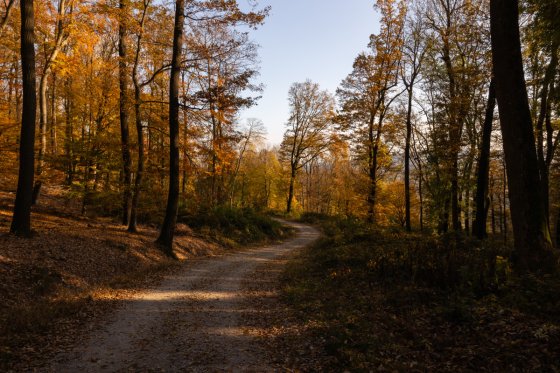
(168,227)
(123,111)
(413,54)
(533,247)
(21,223)
(482,203)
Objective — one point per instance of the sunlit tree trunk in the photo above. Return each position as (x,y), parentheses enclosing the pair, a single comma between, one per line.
(133,218)
(53,134)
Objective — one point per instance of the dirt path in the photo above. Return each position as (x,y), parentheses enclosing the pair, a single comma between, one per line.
(195,321)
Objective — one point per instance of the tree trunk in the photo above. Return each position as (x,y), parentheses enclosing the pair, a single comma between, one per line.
(123,114)
(168,228)
(545,108)
(68,136)
(133,219)
(291,190)
(132,224)
(54,140)
(374,143)
(42,136)
(21,222)
(558,229)
(408,226)
(421,196)
(533,246)
(479,226)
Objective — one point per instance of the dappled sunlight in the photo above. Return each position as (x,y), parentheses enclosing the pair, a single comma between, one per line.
(204,309)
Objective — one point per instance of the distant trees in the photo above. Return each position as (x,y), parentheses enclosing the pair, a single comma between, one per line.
(307,136)
(86,55)
(414,49)
(367,94)
(408,144)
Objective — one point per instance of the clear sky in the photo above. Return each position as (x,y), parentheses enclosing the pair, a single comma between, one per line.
(307,39)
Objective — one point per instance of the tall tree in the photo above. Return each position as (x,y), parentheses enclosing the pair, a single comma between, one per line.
(413,55)
(21,222)
(369,91)
(133,218)
(307,134)
(168,227)
(123,110)
(220,12)
(482,204)
(533,247)
(61,35)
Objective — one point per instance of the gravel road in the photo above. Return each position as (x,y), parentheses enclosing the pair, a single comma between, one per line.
(195,321)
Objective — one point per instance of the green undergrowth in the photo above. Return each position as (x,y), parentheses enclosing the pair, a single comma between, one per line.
(387,300)
(233,227)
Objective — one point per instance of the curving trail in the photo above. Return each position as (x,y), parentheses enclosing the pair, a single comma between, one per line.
(192,322)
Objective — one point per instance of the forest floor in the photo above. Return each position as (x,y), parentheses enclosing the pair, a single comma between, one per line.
(202,318)
(391,301)
(84,295)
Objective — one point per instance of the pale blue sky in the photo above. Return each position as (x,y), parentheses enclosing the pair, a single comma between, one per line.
(307,39)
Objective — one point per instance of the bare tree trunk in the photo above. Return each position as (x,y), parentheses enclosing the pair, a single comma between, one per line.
(68,136)
(291,190)
(42,137)
(545,108)
(21,222)
(132,224)
(493,214)
(479,226)
(54,139)
(533,246)
(558,229)
(123,113)
(407,160)
(371,199)
(133,219)
(168,227)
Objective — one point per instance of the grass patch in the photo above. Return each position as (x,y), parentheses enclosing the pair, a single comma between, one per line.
(386,300)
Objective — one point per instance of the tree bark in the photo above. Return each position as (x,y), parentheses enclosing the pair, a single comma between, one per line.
(479,226)
(132,224)
(21,222)
(408,226)
(54,139)
(291,190)
(533,246)
(558,229)
(544,110)
(168,228)
(123,113)
(133,219)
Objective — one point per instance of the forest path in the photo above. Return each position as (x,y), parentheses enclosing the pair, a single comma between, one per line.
(194,321)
